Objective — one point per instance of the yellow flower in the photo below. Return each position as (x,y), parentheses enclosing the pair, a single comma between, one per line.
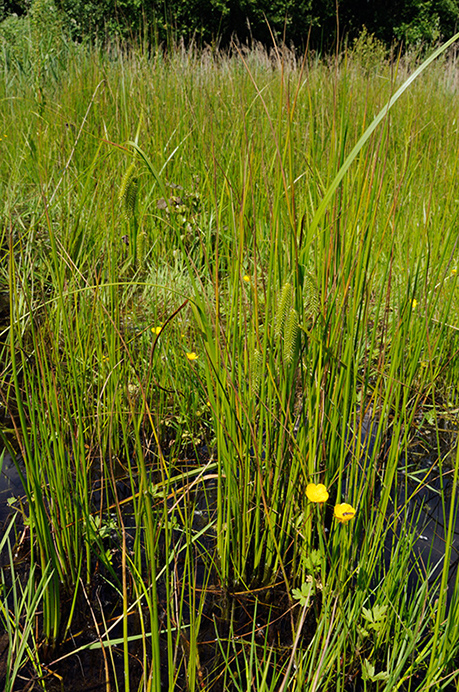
(192,355)
(316,493)
(247,278)
(344,512)
(414,302)
(453,271)
(156,330)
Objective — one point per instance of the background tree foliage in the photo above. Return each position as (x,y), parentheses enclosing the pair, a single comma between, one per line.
(218,21)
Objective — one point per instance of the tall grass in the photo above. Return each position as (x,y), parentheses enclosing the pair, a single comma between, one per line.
(212,292)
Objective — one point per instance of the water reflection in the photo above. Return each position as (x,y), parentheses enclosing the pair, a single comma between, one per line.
(10,487)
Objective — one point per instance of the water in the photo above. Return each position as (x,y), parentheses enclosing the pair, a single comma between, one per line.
(10,487)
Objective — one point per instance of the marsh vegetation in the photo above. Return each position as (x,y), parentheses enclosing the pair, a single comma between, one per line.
(219,288)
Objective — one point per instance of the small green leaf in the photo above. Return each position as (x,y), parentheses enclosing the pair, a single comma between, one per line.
(313,561)
(368,672)
(363,632)
(375,617)
(379,612)
(367,614)
(302,595)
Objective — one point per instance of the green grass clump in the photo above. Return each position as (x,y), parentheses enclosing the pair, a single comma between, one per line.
(220,269)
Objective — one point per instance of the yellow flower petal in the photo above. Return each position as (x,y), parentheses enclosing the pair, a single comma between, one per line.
(316,493)
(344,512)
(156,330)
(192,355)
(414,303)
(247,278)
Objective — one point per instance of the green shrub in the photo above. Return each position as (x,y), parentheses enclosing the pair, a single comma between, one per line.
(219,21)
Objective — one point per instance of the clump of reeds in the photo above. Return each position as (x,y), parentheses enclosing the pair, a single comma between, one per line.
(172,410)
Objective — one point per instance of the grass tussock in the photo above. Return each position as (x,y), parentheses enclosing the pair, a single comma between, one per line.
(229,366)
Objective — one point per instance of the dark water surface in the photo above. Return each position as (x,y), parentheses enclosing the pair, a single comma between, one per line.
(10,487)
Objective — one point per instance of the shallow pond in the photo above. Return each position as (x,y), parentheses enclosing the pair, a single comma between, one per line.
(428,511)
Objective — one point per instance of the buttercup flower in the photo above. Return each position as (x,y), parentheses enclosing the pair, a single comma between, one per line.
(316,493)
(344,512)
(246,278)
(192,355)
(414,302)
(156,330)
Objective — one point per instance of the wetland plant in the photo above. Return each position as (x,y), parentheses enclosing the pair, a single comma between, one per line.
(218,273)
